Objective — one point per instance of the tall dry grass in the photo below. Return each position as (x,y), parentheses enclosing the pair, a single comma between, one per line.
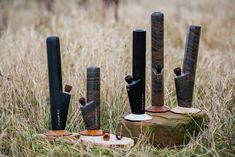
(89,38)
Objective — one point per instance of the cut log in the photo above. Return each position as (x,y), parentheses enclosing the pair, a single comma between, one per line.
(111,143)
(93,141)
(165,129)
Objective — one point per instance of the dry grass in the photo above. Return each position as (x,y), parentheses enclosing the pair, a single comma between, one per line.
(87,38)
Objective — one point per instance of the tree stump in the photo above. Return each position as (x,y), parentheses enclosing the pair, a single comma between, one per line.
(165,129)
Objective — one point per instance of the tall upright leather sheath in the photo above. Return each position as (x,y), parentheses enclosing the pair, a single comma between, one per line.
(136,85)
(59,100)
(157,70)
(91,110)
(184,81)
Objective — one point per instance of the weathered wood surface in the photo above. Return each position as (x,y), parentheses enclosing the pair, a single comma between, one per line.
(112,142)
(165,129)
(93,141)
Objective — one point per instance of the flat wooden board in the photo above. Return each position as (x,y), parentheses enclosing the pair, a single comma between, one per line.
(125,142)
(113,142)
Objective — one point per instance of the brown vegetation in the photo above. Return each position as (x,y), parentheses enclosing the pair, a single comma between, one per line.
(89,39)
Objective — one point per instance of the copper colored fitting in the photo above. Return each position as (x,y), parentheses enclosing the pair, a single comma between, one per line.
(82,101)
(157,109)
(159,69)
(57,133)
(67,88)
(106,137)
(128,79)
(177,71)
(119,136)
(92,132)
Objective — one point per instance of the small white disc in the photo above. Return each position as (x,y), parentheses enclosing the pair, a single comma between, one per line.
(138,117)
(183,110)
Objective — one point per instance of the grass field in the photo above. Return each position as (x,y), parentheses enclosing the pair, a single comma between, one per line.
(91,36)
